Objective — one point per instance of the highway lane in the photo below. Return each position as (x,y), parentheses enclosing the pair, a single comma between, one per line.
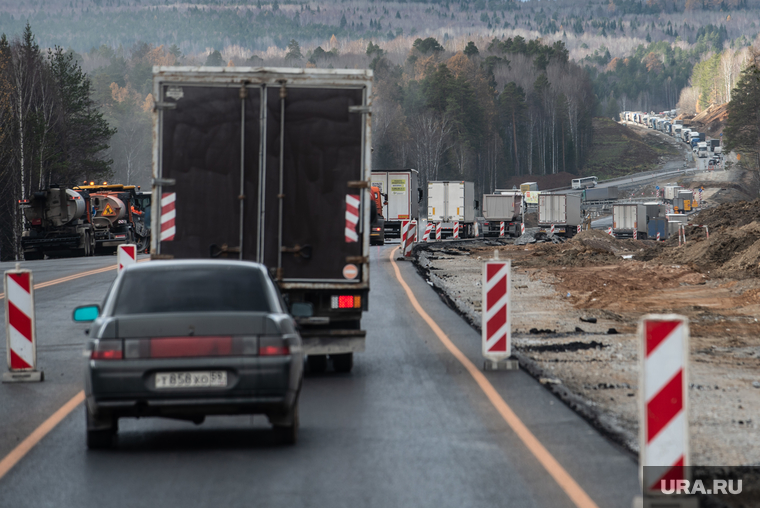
(408,427)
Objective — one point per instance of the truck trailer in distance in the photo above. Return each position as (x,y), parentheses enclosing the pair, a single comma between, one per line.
(505,207)
(563,211)
(401,197)
(450,202)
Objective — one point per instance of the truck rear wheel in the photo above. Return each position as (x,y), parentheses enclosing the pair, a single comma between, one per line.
(343,362)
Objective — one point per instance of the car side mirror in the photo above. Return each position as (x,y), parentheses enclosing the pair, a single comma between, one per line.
(477,204)
(302,310)
(419,195)
(86,313)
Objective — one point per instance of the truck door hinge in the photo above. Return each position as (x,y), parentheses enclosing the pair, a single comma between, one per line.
(164,105)
(364,110)
(224,251)
(357,260)
(358,184)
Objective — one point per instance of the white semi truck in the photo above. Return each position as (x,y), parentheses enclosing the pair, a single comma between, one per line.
(401,195)
(450,202)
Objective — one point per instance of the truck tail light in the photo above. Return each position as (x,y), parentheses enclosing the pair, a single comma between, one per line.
(377,229)
(107,350)
(36,222)
(346,302)
(273,346)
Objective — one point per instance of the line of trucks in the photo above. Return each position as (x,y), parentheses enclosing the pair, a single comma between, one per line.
(84,220)
(665,122)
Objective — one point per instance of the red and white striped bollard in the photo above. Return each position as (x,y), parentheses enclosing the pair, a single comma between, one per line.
(456,230)
(20,328)
(664,429)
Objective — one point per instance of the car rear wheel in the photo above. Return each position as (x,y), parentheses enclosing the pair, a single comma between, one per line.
(317,363)
(288,434)
(343,362)
(100,431)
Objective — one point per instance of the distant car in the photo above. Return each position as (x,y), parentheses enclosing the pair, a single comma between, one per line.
(186,339)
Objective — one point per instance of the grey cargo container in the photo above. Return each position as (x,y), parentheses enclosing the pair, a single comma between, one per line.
(505,207)
(271,165)
(563,211)
(601,194)
(629,217)
(658,225)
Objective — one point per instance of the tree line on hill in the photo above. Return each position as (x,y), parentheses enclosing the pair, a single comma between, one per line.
(515,107)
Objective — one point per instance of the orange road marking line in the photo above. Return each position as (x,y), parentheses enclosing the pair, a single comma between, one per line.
(40,432)
(555,470)
(73,277)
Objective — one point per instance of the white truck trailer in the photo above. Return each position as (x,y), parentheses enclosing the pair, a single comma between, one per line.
(562,211)
(450,202)
(401,195)
(504,207)
(629,217)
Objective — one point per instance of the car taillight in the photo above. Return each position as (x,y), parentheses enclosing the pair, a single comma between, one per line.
(273,346)
(186,347)
(346,302)
(36,222)
(107,350)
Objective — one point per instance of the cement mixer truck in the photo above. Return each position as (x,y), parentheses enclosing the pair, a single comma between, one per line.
(118,216)
(57,222)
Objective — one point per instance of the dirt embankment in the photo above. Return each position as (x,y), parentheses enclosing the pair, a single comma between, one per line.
(576,306)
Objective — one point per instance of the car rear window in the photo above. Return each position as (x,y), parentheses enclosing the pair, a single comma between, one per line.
(222,289)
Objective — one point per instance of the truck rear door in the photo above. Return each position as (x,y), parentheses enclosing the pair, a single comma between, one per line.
(399,193)
(208,157)
(437,202)
(314,175)
(457,201)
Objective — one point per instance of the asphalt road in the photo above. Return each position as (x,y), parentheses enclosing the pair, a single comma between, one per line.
(407,428)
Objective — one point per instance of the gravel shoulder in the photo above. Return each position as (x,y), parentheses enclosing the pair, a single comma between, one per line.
(576,306)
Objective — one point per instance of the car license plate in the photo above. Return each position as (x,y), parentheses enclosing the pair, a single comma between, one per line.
(191,379)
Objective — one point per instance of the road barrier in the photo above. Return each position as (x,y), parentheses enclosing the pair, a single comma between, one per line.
(428,229)
(522,228)
(126,255)
(658,236)
(456,230)
(501,229)
(169,214)
(579,228)
(552,229)
(438,228)
(410,237)
(609,232)
(20,327)
(476,230)
(664,429)
(635,235)
(496,322)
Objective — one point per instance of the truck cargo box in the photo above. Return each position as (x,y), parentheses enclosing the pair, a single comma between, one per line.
(601,194)
(402,196)
(629,217)
(271,165)
(451,201)
(502,207)
(658,225)
(563,211)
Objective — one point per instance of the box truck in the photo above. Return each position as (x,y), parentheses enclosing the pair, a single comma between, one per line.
(273,166)
(450,202)
(401,197)
(627,218)
(504,207)
(563,211)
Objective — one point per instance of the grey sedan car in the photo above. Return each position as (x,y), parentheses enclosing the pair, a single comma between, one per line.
(186,339)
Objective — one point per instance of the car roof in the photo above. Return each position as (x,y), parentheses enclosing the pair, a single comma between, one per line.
(190,264)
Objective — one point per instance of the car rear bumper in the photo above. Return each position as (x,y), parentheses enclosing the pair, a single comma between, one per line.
(255,385)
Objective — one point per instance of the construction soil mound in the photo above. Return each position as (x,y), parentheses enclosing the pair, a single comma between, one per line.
(712,120)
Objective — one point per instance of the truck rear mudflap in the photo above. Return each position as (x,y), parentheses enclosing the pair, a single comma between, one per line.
(331,342)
